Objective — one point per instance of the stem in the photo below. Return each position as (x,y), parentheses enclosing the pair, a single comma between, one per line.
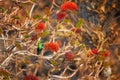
(33,6)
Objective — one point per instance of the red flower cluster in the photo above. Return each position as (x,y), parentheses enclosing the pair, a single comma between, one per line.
(52,46)
(94,51)
(69,6)
(105,53)
(61,15)
(40,27)
(31,77)
(69,56)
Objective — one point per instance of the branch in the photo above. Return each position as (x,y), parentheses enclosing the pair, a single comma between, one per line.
(33,6)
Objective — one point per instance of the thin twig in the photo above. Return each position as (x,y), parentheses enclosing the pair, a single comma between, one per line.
(33,6)
(6,61)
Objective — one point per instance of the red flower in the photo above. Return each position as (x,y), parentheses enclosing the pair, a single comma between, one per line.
(69,56)
(76,30)
(69,6)
(40,27)
(105,53)
(31,77)
(61,15)
(94,51)
(52,46)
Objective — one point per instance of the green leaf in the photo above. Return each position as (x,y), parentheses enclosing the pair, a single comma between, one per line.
(102,51)
(44,34)
(26,36)
(82,46)
(2,10)
(47,32)
(16,17)
(6,78)
(80,22)
(100,58)
(66,20)
(44,19)
(27,14)
(33,0)
(36,16)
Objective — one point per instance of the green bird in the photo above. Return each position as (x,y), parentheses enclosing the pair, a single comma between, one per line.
(40,47)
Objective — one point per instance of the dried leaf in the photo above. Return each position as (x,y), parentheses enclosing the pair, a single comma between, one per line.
(113,5)
(26,36)
(102,8)
(18,46)
(88,8)
(4,72)
(53,62)
(1,31)
(47,11)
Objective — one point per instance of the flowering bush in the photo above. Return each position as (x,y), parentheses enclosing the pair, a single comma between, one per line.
(31,31)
